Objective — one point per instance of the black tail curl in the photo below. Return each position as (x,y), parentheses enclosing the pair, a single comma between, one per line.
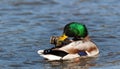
(55,52)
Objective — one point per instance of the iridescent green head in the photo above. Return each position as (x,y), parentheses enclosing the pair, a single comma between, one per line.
(75,29)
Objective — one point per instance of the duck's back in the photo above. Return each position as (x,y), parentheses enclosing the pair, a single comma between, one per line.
(88,46)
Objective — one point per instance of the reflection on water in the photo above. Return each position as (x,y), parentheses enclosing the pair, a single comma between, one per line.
(84,63)
(26,25)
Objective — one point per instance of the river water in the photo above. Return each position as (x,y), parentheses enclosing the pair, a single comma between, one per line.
(26,26)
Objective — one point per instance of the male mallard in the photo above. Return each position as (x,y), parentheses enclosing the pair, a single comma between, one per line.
(79,46)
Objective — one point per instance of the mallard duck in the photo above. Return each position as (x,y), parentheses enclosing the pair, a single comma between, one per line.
(80,45)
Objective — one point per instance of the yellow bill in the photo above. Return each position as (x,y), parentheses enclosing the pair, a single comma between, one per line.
(62,38)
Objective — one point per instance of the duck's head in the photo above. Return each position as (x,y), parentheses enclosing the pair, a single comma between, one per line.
(74,29)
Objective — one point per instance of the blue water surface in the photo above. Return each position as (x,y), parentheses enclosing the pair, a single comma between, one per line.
(26,26)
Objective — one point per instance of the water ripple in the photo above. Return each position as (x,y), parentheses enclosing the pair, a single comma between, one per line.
(26,26)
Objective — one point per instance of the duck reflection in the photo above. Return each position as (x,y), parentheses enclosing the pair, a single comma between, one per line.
(81,63)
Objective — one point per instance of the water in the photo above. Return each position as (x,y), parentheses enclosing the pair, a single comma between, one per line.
(26,25)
